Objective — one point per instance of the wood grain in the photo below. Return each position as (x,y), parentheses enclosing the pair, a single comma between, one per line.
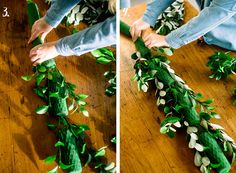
(24,138)
(143,148)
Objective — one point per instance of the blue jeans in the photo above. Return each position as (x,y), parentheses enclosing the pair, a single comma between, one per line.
(97,36)
(216,23)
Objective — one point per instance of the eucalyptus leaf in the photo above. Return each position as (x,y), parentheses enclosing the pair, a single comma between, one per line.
(42,110)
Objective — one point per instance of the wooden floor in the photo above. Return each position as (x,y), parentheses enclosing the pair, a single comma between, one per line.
(143,148)
(24,138)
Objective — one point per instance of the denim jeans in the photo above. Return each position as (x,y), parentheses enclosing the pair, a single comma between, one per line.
(97,36)
(216,23)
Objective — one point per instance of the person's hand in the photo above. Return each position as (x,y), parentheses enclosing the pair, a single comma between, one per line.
(40,27)
(155,40)
(43,52)
(137,27)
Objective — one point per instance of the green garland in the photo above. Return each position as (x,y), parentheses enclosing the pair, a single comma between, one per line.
(222,65)
(88,11)
(170,19)
(214,149)
(72,150)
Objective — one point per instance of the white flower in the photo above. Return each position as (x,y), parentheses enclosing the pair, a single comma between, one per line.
(138,54)
(203,169)
(76,9)
(227,137)
(187,87)
(172,129)
(170,70)
(194,136)
(162,101)
(144,87)
(199,147)
(162,93)
(192,143)
(177,124)
(179,79)
(215,126)
(191,130)
(140,72)
(158,101)
(197,159)
(186,123)
(206,161)
(160,85)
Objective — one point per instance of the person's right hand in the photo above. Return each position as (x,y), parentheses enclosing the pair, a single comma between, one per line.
(40,27)
(137,27)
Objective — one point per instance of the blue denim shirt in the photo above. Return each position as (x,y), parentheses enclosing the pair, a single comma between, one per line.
(216,23)
(124,4)
(97,36)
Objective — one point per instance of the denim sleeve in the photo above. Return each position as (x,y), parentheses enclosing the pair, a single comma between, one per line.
(154,9)
(57,11)
(97,36)
(209,18)
(124,4)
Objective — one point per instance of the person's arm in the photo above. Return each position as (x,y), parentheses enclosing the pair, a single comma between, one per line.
(97,36)
(57,11)
(209,18)
(154,9)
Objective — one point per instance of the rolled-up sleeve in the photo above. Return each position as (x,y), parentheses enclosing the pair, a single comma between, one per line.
(97,36)
(57,11)
(154,9)
(209,18)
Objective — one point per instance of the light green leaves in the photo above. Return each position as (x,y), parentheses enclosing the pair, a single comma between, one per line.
(42,110)
(26,78)
(100,152)
(103,56)
(39,78)
(59,144)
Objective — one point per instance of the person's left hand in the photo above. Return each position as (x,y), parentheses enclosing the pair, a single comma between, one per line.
(155,40)
(43,53)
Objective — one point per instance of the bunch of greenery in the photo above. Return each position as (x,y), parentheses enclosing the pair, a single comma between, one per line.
(105,56)
(170,19)
(184,109)
(88,11)
(222,65)
(61,100)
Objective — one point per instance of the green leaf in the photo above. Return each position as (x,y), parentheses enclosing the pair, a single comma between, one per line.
(82,96)
(59,144)
(54,170)
(199,96)
(113,140)
(83,149)
(84,112)
(168,51)
(170,120)
(50,159)
(164,130)
(100,152)
(42,69)
(42,110)
(209,101)
(205,115)
(26,78)
(50,76)
(65,167)
(81,103)
(39,78)
(56,94)
(103,60)
(210,108)
(89,160)
(51,126)
(84,127)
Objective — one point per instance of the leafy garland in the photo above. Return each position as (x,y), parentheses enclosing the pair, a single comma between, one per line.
(72,150)
(105,56)
(88,11)
(170,19)
(222,65)
(213,147)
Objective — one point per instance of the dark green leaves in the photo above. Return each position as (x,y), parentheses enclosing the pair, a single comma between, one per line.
(221,64)
(39,78)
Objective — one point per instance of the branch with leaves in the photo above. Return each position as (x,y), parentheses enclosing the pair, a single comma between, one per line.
(62,101)
(184,109)
(170,19)
(222,65)
(105,56)
(88,11)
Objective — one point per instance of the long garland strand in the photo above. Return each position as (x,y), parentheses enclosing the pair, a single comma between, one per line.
(214,149)
(72,150)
